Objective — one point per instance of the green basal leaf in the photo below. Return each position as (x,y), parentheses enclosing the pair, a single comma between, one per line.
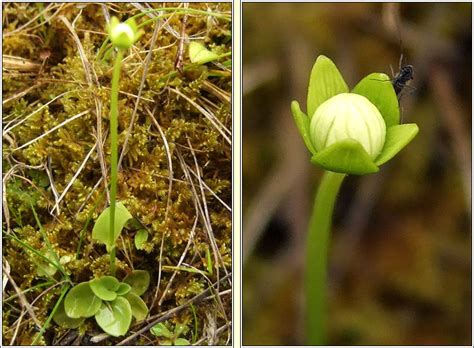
(115,317)
(325,82)
(180,328)
(123,289)
(346,156)
(160,330)
(140,239)
(46,269)
(80,301)
(396,139)
(302,122)
(139,281)
(105,287)
(377,87)
(101,228)
(166,343)
(61,318)
(139,307)
(182,342)
(199,54)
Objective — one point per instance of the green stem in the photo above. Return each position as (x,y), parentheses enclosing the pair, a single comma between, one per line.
(51,315)
(114,153)
(317,256)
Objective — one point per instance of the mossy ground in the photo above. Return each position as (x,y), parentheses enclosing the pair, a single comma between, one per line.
(179,189)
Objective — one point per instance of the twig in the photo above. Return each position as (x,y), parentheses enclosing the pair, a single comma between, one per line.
(218,331)
(52,129)
(56,206)
(7,130)
(452,115)
(226,133)
(23,302)
(89,73)
(168,314)
(140,90)
(168,201)
(180,261)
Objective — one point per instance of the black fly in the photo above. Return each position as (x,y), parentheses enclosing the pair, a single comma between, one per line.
(400,80)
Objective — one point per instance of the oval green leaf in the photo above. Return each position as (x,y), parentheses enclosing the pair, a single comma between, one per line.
(182,342)
(61,318)
(302,122)
(115,317)
(378,88)
(346,156)
(123,289)
(47,269)
(139,307)
(105,287)
(325,82)
(199,54)
(160,330)
(81,302)
(396,139)
(100,231)
(140,238)
(139,280)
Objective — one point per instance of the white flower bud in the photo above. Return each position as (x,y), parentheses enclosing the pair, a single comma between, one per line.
(348,116)
(122,29)
(123,35)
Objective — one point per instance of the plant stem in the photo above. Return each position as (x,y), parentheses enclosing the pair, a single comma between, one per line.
(317,256)
(51,315)
(113,153)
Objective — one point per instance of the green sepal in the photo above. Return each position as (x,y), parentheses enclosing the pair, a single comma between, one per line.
(302,122)
(139,280)
(101,228)
(115,317)
(105,287)
(325,82)
(396,139)
(139,307)
(346,156)
(378,88)
(62,319)
(80,302)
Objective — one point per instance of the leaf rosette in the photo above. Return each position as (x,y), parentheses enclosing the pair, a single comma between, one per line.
(111,302)
(351,132)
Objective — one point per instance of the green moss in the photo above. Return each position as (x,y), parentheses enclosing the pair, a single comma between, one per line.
(143,184)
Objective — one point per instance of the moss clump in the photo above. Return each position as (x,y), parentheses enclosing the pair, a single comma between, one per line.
(57,88)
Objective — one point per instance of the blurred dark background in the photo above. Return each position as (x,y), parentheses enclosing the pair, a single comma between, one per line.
(400,259)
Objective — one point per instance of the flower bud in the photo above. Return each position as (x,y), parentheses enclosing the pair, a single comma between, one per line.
(348,116)
(123,35)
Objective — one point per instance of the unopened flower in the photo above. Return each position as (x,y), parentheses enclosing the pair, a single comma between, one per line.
(352,133)
(123,35)
(348,116)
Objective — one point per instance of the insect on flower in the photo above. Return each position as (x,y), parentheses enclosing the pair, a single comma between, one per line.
(404,75)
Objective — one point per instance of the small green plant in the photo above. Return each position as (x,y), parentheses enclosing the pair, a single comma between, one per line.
(140,239)
(111,302)
(169,338)
(346,133)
